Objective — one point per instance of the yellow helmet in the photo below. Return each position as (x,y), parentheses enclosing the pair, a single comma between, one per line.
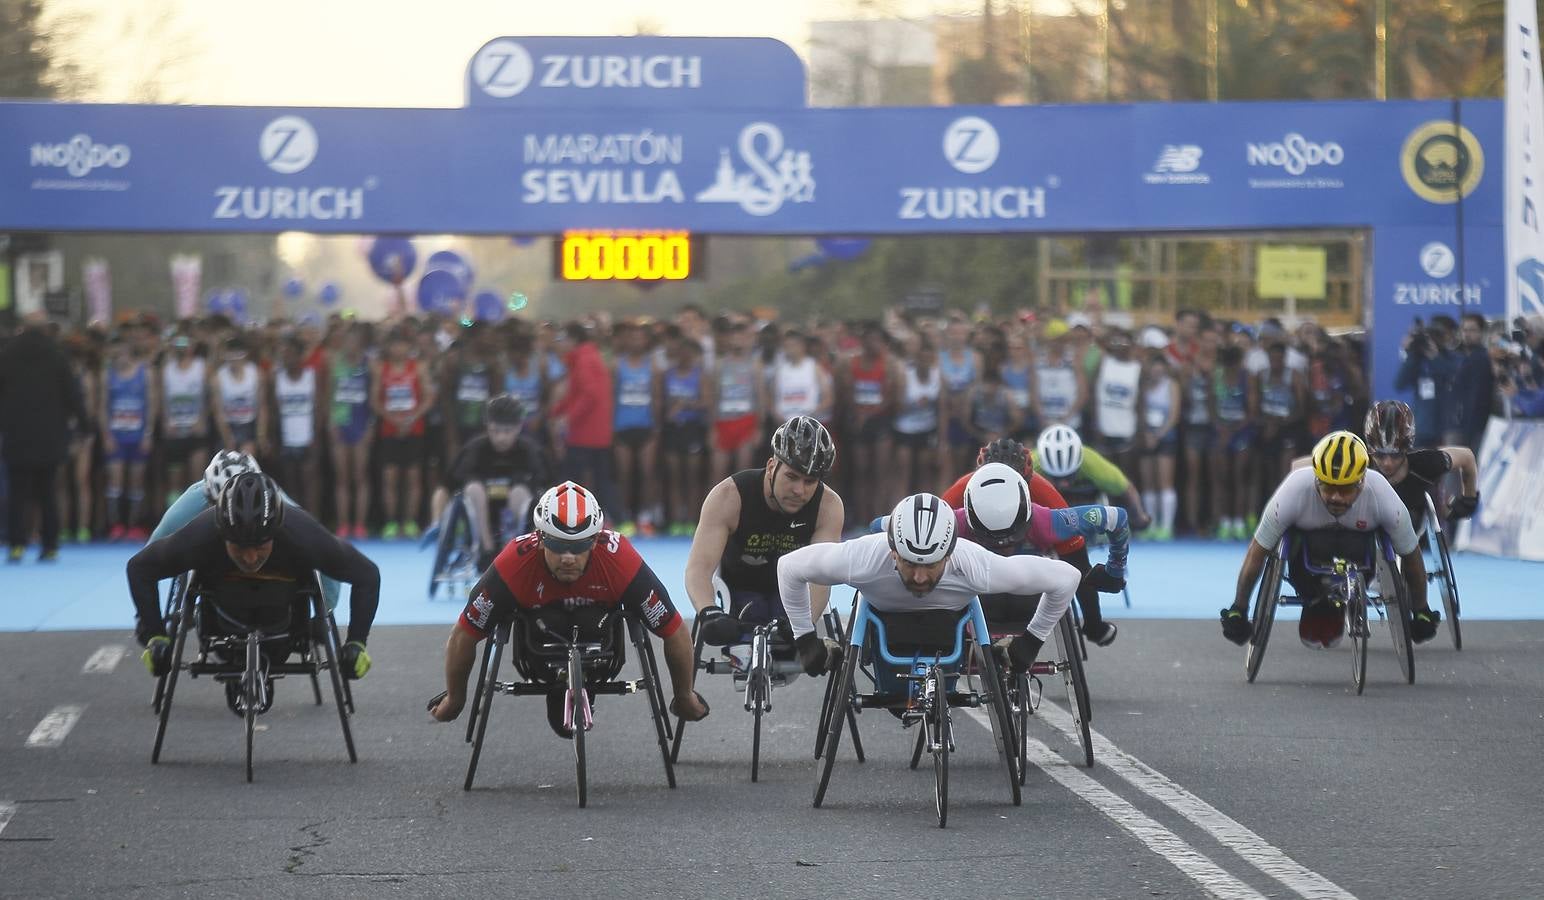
(1340,457)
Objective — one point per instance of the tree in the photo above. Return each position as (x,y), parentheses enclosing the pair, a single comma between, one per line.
(27,69)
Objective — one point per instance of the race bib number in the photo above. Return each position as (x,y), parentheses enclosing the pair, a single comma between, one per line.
(498,488)
(182,411)
(240,411)
(295,405)
(350,394)
(400,398)
(1427,389)
(868,393)
(634,395)
(472,392)
(126,417)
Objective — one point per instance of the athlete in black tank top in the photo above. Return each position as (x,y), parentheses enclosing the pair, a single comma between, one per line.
(763,535)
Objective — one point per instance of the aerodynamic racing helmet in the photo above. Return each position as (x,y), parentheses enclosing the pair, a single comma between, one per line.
(1390,427)
(250,510)
(802,443)
(1004,450)
(1340,457)
(224,466)
(568,513)
(1059,451)
(504,410)
(997,503)
(922,529)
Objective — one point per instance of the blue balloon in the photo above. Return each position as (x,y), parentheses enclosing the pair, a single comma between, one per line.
(392,259)
(215,303)
(330,294)
(294,288)
(488,306)
(842,247)
(440,292)
(452,262)
(236,302)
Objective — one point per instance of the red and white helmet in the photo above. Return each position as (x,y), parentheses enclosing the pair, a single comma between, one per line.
(568,512)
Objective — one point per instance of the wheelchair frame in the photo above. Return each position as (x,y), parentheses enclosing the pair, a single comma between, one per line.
(1358,598)
(455,551)
(583,659)
(928,699)
(1443,574)
(253,677)
(1024,690)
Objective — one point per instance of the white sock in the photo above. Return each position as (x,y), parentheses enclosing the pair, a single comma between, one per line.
(1168,502)
(1150,503)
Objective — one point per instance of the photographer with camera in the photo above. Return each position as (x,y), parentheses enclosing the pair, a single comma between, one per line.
(1427,370)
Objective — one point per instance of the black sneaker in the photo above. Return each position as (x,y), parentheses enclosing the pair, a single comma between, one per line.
(1101,633)
(555,702)
(1423,625)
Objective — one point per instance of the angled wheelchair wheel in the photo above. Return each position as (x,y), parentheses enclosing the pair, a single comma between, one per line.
(251,687)
(1395,597)
(576,712)
(498,638)
(1077,628)
(938,723)
(457,542)
(1003,722)
(340,691)
(337,641)
(1021,713)
(657,706)
(1076,683)
(1267,598)
(839,712)
(1447,581)
(171,618)
(1356,625)
(482,678)
(918,747)
(839,634)
(184,626)
(680,724)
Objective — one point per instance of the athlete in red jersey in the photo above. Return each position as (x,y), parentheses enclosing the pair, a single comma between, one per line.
(568,563)
(1074,551)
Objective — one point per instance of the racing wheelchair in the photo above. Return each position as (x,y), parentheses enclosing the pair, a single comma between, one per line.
(1370,584)
(763,659)
(456,564)
(1439,569)
(578,655)
(246,635)
(927,666)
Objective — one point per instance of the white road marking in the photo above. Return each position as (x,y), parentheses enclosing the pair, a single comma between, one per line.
(1228,832)
(104,660)
(55,726)
(7,810)
(1169,846)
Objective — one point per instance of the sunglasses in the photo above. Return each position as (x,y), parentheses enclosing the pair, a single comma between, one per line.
(1388,454)
(562,547)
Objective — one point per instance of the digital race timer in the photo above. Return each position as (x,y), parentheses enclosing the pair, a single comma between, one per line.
(627,256)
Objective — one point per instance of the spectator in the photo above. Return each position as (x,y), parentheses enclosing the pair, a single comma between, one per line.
(1426,368)
(1474,385)
(584,414)
(39,403)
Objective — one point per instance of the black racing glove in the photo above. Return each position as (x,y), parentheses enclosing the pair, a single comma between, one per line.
(815,656)
(1464,507)
(1235,626)
(1100,579)
(354,660)
(718,627)
(1019,651)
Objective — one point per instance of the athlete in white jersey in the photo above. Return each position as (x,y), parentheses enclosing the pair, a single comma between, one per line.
(918,564)
(1331,510)
(797,383)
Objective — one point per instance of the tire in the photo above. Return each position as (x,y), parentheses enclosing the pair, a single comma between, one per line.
(840,712)
(249,696)
(1447,581)
(1006,732)
(337,642)
(1396,608)
(1267,599)
(756,739)
(916,750)
(171,619)
(1076,682)
(457,523)
(661,712)
(1077,627)
(482,718)
(1356,613)
(576,702)
(184,625)
(680,725)
(340,690)
(1022,724)
(940,726)
(482,676)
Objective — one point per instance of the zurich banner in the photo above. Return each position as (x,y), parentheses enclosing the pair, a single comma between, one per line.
(636,73)
(1510,520)
(812,171)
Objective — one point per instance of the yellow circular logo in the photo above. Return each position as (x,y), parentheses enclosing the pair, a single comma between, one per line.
(1442,161)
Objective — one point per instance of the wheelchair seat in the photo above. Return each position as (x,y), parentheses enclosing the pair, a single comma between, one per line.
(542,637)
(925,632)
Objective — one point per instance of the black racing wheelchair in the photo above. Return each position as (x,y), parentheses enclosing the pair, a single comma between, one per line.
(249,633)
(579,655)
(918,676)
(1361,586)
(1439,569)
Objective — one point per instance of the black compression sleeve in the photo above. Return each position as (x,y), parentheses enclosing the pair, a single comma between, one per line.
(189,547)
(320,550)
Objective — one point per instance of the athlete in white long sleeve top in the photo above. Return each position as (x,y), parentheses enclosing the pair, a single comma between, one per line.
(868,564)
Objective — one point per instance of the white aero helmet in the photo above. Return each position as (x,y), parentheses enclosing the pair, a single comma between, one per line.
(224,466)
(1059,451)
(997,503)
(922,529)
(568,512)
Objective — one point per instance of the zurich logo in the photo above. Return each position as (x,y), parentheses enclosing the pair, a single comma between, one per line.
(1437,260)
(502,69)
(288,144)
(970,144)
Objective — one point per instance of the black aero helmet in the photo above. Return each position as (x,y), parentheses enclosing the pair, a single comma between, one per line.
(250,510)
(1007,451)
(504,410)
(1390,426)
(804,444)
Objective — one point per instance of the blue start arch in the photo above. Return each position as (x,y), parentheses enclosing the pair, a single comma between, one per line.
(1422,176)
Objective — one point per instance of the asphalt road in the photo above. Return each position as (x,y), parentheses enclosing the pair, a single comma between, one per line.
(1293,786)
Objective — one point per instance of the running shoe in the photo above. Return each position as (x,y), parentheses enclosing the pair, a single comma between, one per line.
(627,529)
(83,535)
(16,554)
(137,535)
(410,530)
(360,534)
(391,531)
(116,533)
(48,556)
(342,532)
